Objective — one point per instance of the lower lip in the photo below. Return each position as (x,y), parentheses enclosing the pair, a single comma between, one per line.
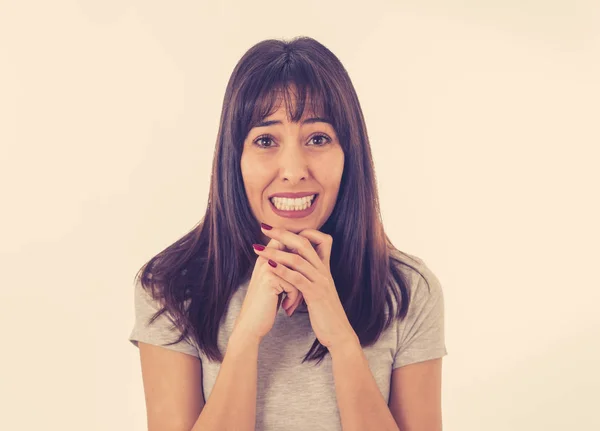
(295,214)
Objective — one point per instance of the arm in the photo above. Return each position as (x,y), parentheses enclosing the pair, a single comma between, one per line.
(173,389)
(232,403)
(416,396)
(359,399)
(416,382)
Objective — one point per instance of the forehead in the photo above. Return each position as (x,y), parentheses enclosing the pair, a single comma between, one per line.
(306,119)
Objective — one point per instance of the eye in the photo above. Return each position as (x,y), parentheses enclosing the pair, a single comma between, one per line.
(263,138)
(269,138)
(321,136)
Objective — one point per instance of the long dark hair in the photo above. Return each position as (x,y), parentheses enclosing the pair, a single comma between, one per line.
(195,277)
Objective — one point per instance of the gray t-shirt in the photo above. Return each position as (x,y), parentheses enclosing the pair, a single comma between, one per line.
(295,396)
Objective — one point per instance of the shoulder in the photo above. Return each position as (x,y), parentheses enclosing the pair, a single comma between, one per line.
(423,285)
(420,333)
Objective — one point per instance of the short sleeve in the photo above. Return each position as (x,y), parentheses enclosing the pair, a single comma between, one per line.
(421,333)
(162,331)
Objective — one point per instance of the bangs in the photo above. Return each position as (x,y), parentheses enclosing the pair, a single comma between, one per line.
(297,98)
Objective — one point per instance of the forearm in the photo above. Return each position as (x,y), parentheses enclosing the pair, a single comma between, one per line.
(232,402)
(359,399)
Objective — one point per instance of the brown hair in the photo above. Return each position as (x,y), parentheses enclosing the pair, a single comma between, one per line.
(195,277)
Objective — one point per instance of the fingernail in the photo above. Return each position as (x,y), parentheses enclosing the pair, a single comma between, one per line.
(258,247)
(273,264)
(266,226)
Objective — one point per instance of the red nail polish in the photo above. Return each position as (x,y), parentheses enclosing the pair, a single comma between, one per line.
(266,226)
(258,247)
(273,264)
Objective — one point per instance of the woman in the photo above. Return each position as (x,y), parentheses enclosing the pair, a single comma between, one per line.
(360,341)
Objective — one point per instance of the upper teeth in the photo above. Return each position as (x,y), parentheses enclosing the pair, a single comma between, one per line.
(292,204)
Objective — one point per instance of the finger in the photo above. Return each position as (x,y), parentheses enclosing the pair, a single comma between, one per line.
(290,301)
(280,285)
(273,243)
(321,242)
(291,310)
(296,244)
(280,300)
(292,294)
(292,305)
(295,278)
(291,262)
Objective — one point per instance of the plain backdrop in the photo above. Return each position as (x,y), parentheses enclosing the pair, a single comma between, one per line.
(483,119)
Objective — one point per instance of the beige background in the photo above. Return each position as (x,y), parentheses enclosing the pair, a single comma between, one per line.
(483,118)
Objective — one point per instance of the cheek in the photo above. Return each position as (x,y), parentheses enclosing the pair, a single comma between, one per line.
(330,169)
(254,176)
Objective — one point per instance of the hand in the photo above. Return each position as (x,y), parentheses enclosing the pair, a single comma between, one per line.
(306,267)
(263,298)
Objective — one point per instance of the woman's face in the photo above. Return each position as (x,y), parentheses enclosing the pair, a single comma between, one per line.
(287,157)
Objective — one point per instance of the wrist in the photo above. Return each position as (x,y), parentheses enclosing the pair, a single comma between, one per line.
(242,338)
(345,346)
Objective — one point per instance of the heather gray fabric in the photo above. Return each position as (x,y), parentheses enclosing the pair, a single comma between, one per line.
(295,396)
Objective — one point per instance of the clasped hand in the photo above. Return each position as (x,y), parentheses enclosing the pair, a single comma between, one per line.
(306,266)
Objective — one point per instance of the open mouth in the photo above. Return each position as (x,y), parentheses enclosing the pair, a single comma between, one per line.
(293,208)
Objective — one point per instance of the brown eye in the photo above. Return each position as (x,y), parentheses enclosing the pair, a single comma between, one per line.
(321,136)
(262,139)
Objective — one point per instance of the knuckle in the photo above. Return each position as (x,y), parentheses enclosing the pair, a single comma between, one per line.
(261,260)
(266,272)
(296,260)
(296,278)
(273,243)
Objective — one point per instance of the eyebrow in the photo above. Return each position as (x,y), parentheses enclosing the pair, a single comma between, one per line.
(307,121)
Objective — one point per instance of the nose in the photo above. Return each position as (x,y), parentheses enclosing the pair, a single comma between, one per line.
(293,165)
